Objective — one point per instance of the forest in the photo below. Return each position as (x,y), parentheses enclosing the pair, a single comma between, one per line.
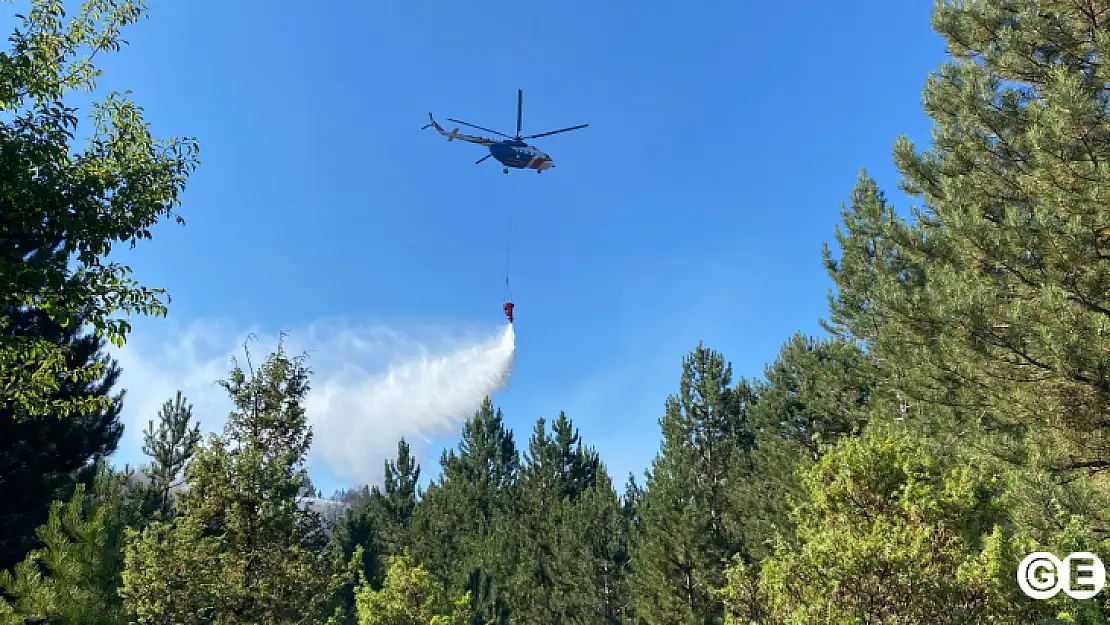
(953,418)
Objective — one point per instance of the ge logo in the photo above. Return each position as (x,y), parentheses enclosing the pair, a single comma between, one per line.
(1041,575)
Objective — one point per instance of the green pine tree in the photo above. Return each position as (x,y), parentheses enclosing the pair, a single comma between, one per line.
(554,581)
(464,525)
(307,488)
(42,459)
(396,501)
(170,445)
(991,305)
(983,316)
(358,536)
(595,533)
(814,394)
(240,529)
(629,527)
(684,538)
(75,576)
(630,500)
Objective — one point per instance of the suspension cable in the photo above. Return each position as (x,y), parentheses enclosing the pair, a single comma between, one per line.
(509,248)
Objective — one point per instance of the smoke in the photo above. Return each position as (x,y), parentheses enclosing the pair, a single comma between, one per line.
(353,415)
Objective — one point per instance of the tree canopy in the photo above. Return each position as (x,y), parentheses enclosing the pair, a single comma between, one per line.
(63,207)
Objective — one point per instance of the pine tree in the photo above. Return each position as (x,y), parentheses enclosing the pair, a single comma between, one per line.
(74,577)
(170,445)
(394,506)
(683,538)
(553,581)
(630,501)
(557,466)
(41,459)
(814,394)
(630,527)
(307,488)
(401,478)
(378,523)
(358,536)
(463,526)
(595,535)
(251,554)
(991,306)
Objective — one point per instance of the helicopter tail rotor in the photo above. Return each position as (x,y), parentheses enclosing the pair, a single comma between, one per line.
(431,123)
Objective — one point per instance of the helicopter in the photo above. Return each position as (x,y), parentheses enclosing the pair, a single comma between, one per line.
(511,151)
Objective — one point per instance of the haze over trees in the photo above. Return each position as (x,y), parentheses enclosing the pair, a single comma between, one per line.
(953,419)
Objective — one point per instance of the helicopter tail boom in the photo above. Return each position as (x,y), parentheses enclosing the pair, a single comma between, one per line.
(451,136)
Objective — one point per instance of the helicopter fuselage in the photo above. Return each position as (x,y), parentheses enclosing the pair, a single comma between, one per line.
(511,151)
(519,155)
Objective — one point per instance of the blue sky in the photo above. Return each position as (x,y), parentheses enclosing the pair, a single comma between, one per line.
(723,138)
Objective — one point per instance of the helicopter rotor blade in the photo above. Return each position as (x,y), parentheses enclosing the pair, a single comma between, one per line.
(519,109)
(479,161)
(555,132)
(459,121)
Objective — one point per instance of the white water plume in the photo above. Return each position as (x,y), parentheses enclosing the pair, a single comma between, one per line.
(420,397)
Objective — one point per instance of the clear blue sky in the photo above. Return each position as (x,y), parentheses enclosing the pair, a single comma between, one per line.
(723,137)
